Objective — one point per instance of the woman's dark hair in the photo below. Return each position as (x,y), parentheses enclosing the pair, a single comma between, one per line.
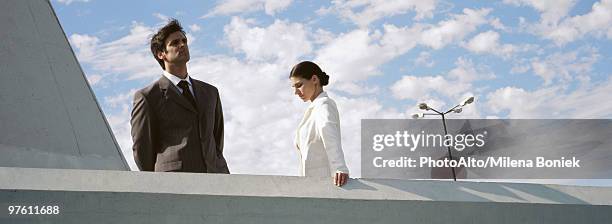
(307,69)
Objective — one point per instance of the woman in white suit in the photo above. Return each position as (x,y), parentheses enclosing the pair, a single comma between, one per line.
(318,135)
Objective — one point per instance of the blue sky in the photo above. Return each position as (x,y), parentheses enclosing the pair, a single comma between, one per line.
(519,58)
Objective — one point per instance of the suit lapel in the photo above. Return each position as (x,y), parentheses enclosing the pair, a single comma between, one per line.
(307,115)
(304,119)
(311,106)
(172,93)
(200,95)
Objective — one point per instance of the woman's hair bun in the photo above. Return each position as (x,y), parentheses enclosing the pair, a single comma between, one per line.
(324,79)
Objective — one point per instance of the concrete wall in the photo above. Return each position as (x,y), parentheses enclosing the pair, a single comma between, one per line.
(88,196)
(49,117)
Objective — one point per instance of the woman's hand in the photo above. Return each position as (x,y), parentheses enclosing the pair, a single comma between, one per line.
(340,178)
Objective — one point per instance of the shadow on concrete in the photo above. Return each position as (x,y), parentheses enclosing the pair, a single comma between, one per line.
(479,191)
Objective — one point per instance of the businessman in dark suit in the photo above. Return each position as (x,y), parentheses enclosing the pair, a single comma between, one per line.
(177,122)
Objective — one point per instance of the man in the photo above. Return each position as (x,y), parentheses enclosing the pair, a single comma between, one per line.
(177,122)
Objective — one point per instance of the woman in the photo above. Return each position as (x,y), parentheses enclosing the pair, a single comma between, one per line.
(318,135)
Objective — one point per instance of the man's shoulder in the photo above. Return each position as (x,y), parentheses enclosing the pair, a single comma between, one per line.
(204,85)
(152,88)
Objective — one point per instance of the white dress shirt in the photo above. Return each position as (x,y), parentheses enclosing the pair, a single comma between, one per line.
(175,80)
(318,139)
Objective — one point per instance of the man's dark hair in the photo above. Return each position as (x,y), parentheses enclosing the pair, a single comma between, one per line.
(158,40)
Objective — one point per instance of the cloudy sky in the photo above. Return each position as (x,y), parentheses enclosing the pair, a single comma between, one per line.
(519,58)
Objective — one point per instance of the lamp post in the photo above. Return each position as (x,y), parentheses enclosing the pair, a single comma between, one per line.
(456,109)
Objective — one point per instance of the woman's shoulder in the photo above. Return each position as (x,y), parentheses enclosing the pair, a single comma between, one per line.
(325,101)
(326,106)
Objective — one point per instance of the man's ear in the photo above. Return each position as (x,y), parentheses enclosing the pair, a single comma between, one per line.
(160,55)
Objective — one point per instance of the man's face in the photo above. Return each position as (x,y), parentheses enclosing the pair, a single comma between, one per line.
(177,51)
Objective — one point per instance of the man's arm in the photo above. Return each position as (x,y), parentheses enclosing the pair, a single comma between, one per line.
(142,133)
(218,133)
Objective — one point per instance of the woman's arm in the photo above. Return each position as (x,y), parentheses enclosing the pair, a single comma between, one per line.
(328,125)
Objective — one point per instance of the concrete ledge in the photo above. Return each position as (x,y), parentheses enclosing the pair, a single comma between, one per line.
(299,187)
(143,197)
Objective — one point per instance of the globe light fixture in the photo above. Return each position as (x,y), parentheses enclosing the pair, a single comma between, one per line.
(456,109)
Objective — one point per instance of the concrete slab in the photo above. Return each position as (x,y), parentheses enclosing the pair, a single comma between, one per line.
(144,197)
(48,113)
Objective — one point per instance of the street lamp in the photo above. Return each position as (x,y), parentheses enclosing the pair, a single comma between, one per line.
(455,109)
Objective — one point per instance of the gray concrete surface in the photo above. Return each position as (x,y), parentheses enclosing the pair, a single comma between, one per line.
(142,197)
(49,117)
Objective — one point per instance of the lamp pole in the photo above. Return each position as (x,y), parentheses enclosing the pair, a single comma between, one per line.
(456,109)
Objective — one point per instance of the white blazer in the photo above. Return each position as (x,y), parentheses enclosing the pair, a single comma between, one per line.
(318,139)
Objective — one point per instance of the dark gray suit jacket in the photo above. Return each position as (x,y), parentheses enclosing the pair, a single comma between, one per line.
(170,134)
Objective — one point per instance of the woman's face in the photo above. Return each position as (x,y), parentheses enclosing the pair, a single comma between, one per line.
(304,88)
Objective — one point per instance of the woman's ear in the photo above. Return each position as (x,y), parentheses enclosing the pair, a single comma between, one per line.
(314,79)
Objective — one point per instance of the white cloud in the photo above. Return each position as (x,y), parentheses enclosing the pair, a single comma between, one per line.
(120,99)
(162,17)
(323,36)
(357,55)
(355,88)
(519,68)
(442,92)
(118,112)
(229,7)
(553,102)
(484,42)
(454,87)
(109,58)
(556,26)
(372,10)
(421,87)
(85,44)
(194,28)
(488,42)
(497,24)
(466,71)
(280,41)
(565,67)
(551,10)
(399,40)
(596,22)
(454,29)
(424,59)
(68,2)
(352,56)
(94,79)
